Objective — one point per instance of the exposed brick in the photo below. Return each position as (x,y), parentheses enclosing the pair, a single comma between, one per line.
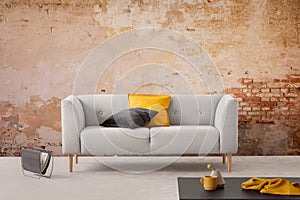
(274,99)
(277,80)
(243,118)
(276,85)
(283,99)
(247,80)
(282,104)
(265,99)
(293,112)
(243,113)
(265,90)
(247,108)
(265,108)
(265,118)
(240,99)
(255,108)
(294,117)
(251,99)
(254,113)
(290,104)
(233,90)
(264,122)
(293,85)
(258,85)
(271,113)
(242,104)
(269,104)
(273,90)
(254,118)
(277,94)
(293,99)
(281,117)
(291,95)
(294,90)
(294,80)
(253,104)
(284,108)
(268,95)
(241,95)
(255,90)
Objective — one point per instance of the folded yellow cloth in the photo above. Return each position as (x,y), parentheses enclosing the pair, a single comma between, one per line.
(272,186)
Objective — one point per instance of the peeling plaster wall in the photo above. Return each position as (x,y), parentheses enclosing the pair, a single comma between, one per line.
(254,44)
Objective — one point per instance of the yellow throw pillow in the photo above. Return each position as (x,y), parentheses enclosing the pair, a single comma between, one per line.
(159,103)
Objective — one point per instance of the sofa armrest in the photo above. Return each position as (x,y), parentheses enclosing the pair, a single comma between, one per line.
(226,120)
(72,122)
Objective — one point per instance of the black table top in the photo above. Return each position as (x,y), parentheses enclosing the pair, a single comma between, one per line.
(191,188)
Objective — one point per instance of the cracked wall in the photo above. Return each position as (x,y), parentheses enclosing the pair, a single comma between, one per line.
(254,44)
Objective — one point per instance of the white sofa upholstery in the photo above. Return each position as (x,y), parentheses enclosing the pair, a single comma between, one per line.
(199,124)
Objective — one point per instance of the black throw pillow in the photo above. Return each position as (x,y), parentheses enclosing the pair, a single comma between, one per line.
(130,118)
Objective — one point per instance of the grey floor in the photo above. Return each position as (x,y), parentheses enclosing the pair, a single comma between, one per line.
(140,178)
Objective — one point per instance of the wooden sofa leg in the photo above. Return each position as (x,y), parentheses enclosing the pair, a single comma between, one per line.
(76,158)
(223,158)
(229,157)
(71,163)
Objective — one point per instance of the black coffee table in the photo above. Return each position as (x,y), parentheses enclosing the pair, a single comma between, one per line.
(191,188)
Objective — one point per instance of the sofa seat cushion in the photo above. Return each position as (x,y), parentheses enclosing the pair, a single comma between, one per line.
(184,140)
(98,140)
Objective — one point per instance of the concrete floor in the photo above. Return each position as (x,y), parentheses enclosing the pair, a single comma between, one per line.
(138,178)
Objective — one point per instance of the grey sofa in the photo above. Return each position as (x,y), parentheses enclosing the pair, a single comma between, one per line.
(199,124)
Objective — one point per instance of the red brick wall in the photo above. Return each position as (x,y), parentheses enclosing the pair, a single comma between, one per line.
(266,103)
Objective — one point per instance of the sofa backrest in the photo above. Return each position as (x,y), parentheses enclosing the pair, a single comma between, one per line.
(193,109)
(185,109)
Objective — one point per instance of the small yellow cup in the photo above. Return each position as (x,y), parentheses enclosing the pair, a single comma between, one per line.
(209,182)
